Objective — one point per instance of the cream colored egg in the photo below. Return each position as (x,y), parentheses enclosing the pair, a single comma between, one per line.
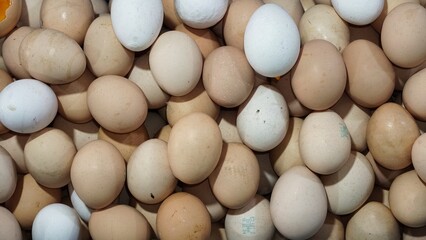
(8,175)
(80,133)
(14,144)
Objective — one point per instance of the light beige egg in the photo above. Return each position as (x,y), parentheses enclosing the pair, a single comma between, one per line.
(417,155)
(389,5)
(205,39)
(8,176)
(10,227)
(80,133)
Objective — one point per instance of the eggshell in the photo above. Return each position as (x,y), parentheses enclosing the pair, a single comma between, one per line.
(149,211)
(171,18)
(56,221)
(10,11)
(301,214)
(100,36)
(202,14)
(183,216)
(141,74)
(262,120)
(349,187)
(373,221)
(10,227)
(360,12)
(227,121)
(198,100)
(27,106)
(388,6)
(391,133)
(98,165)
(287,153)
(332,228)
(412,96)
(204,192)
(149,176)
(238,172)
(403,37)
(417,156)
(8,176)
(319,76)
(60,61)
(137,23)
(14,144)
(176,62)
(384,177)
(29,198)
(70,17)
(322,22)
(293,7)
(271,41)
(406,196)
(206,40)
(253,221)
(236,19)
(194,149)
(371,78)
(80,207)
(80,133)
(117,104)
(324,142)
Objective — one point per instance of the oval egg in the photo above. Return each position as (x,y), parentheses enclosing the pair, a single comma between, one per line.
(8,175)
(360,12)
(201,14)
(10,226)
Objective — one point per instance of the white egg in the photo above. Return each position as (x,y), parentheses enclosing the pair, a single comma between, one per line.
(201,14)
(359,12)
(137,23)
(262,120)
(271,41)
(56,221)
(82,209)
(27,106)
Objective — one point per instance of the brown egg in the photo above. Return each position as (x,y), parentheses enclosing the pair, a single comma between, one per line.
(98,173)
(194,149)
(9,228)
(413,95)
(100,36)
(141,74)
(119,221)
(332,228)
(10,52)
(183,216)
(403,35)
(322,22)
(10,11)
(8,176)
(407,195)
(228,77)
(391,133)
(14,144)
(319,76)
(117,104)
(236,19)
(371,78)
(80,133)
(206,40)
(49,154)
(171,18)
(70,17)
(29,198)
(126,143)
(389,5)
(61,61)
(236,178)
(373,221)
(403,74)
(197,100)
(30,14)
(365,32)
(287,154)
(293,7)
(149,211)
(72,98)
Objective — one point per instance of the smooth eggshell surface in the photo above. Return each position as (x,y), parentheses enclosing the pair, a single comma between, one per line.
(413,95)
(358,12)
(418,153)
(8,175)
(10,226)
(201,14)
(14,144)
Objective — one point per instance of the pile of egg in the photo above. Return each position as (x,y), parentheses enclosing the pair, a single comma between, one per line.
(213,119)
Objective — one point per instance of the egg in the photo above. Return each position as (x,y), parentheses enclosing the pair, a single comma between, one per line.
(374,220)
(384,176)
(371,78)
(262,120)
(100,35)
(10,227)
(406,196)
(324,142)
(70,17)
(349,187)
(80,207)
(206,39)
(271,41)
(80,133)
(360,12)
(227,121)
(176,62)
(183,216)
(417,153)
(119,221)
(389,5)
(235,179)
(56,221)
(194,149)
(117,104)
(412,97)
(391,133)
(27,106)
(403,37)
(301,214)
(203,14)
(10,12)
(137,23)
(98,165)
(319,76)
(149,176)
(171,18)
(403,74)
(332,228)
(293,7)
(253,221)
(14,144)
(8,176)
